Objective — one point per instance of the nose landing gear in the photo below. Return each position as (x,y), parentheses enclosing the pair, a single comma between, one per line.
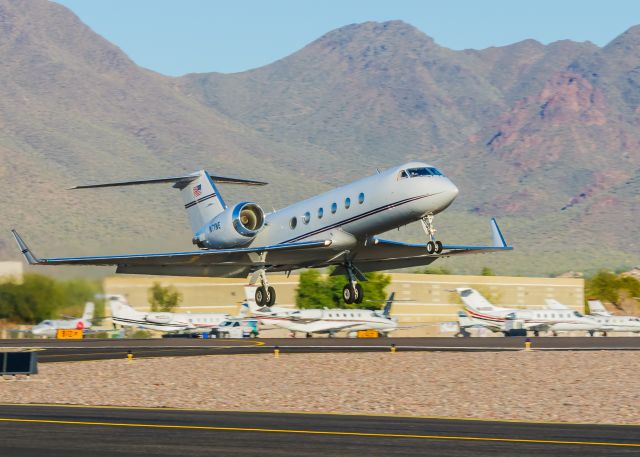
(433,246)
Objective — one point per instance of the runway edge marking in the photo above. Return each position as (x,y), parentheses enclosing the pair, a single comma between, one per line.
(320,413)
(320,432)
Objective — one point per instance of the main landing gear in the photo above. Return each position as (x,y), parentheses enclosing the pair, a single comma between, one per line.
(433,246)
(265,294)
(352,292)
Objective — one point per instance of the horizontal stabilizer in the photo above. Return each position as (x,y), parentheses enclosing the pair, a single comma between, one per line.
(180,181)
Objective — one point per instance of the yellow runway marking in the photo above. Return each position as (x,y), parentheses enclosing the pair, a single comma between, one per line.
(320,432)
(312,413)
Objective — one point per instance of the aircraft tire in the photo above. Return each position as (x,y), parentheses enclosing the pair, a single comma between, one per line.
(359,294)
(261,296)
(438,247)
(271,297)
(431,247)
(348,294)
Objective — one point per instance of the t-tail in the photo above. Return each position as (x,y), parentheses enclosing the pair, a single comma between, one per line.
(473,300)
(204,206)
(386,311)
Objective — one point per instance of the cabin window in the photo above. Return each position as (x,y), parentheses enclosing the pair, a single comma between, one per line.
(347,203)
(361,198)
(320,213)
(293,222)
(334,208)
(307,217)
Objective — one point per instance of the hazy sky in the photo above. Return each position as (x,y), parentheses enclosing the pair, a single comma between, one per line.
(185,36)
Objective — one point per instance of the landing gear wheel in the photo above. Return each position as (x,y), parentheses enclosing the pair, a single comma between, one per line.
(348,294)
(438,247)
(261,296)
(431,247)
(359,294)
(271,296)
(536,333)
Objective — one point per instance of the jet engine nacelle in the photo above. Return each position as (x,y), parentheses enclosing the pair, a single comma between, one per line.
(158,318)
(235,226)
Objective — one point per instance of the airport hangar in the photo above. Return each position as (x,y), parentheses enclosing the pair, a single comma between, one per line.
(422,298)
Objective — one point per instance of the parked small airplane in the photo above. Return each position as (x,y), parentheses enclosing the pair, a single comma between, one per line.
(50,327)
(338,227)
(504,320)
(123,314)
(607,321)
(325,321)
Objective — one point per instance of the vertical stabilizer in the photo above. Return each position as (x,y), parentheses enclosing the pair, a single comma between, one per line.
(201,199)
(386,311)
(88,311)
(597,308)
(122,313)
(474,300)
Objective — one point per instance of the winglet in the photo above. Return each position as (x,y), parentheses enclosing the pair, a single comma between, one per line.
(496,234)
(28,255)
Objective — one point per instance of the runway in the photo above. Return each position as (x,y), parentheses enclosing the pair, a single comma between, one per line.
(27,430)
(50,350)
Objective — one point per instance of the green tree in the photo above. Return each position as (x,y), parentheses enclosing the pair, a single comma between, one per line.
(317,291)
(313,290)
(163,298)
(38,297)
(486,271)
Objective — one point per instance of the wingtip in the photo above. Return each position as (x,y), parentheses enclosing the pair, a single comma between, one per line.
(24,249)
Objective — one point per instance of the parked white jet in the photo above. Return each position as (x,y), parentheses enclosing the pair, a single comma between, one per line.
(607,321)
(338,227)
(326,321)
(123,314)
(50,327)
(535,320)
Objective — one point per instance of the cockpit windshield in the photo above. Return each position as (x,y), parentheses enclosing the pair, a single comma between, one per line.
(425,171)
(577,314)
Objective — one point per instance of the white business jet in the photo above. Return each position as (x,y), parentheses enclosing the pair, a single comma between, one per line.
(325,321)
(125,315)
(338,227)
(50,327)
(497,319)
(607,321)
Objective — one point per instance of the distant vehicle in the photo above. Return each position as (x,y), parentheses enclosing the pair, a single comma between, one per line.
(50,327)
(607,321)
(328,320)
(337,228)
(241,327)
(511,320)
(125,315)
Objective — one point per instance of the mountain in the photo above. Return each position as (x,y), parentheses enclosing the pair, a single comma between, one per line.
(545,137)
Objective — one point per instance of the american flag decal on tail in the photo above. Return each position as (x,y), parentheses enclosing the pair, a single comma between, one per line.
(197,191)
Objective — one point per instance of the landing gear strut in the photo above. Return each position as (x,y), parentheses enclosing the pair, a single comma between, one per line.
(265,294)
(433,246)
(352,292)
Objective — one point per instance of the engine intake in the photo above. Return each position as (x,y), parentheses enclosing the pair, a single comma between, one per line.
(235,226)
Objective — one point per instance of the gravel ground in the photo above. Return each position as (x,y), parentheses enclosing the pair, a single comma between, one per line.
(599,387)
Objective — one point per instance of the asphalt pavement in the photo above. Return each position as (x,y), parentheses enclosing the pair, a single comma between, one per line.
(35,430)
(51,350)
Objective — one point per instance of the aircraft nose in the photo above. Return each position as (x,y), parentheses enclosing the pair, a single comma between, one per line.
(451,191)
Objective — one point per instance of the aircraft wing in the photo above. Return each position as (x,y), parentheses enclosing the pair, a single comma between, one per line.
(386,254)
(235,262)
